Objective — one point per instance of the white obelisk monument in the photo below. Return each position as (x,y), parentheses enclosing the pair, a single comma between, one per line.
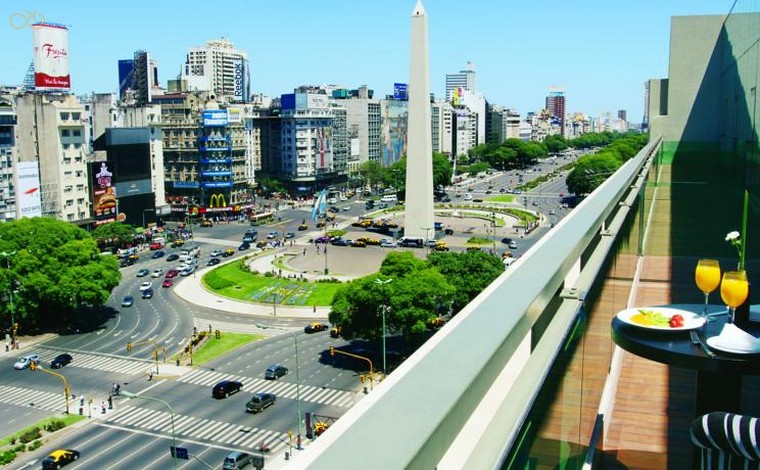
(418,221)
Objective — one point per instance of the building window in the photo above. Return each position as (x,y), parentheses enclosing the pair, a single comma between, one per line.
(64,116)
(75,116)
(64,133)
(76,133)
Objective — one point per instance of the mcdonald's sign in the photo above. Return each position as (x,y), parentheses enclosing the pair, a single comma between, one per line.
(217,200)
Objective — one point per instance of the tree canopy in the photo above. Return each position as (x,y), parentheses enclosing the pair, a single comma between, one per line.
(114,234)
(54,268)
(413,291)
(590,171)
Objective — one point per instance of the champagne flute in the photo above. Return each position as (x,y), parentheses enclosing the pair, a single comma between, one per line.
(734,290)
(707,277)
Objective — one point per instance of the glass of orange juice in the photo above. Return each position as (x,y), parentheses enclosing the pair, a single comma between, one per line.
(707,277)
(734,290)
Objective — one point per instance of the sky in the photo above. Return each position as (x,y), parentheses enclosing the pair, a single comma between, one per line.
(600,52)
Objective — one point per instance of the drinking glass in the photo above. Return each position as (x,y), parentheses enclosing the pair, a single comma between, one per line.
(707,277)
(734,290)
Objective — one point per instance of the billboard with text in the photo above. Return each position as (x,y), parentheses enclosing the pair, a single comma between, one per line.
(28,189)
(51,57)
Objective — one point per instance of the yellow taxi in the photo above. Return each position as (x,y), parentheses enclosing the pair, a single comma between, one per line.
(59,458)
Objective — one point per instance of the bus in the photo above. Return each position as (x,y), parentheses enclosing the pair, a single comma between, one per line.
(190,250)
(262,219)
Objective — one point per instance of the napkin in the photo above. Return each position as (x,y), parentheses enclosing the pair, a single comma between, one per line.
(733,337)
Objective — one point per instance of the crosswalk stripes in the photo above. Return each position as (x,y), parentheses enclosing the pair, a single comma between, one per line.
(188,427)
(308,393)
(32,398)
(98,362)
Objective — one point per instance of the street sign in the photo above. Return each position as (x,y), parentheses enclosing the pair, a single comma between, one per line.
(179,452)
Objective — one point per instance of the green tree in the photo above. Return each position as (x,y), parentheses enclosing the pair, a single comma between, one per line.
(441,170)
(556,143)
(590,171)
(468,272)
(56,268)
(114,234)
(372,172)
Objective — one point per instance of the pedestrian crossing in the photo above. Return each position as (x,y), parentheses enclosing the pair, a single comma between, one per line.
(102,362)
(190,427)
(308,393)
(32,398)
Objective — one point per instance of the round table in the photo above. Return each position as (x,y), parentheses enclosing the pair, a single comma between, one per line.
(718,378)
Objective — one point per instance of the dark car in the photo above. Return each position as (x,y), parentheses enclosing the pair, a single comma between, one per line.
(147,294)
(172,257)
(244,246)
(248,239)
(314,327)
(340,242)
(157,254)
(506,240)
(213,262)
(226,388)
(60,361)
(275,371)
(259,402)
(59,458)
(127,301)
(290,235)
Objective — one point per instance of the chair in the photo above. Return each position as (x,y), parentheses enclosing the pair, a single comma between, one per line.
(727,441)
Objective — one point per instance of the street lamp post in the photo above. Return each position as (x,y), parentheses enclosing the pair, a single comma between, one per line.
(298,394)
(171,413)
(7,255)
(382,310)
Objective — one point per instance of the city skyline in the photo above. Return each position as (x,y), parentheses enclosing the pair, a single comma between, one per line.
(520,51)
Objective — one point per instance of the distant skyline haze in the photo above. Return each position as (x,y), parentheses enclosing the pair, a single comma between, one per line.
(600,53)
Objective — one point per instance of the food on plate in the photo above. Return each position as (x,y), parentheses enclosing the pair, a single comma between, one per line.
(651,318)
(676,321)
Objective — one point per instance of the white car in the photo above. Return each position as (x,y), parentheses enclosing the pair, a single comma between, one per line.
(513,245)
(216,253)
(157,272)
(146,285)
(388,243)
(24,362)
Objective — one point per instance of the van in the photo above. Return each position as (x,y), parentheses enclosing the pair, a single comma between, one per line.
(389,198)
(236,459)
(186,259)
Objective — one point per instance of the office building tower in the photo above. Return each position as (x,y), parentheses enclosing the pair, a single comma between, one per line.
(465,79)
(7,152)
(621,114)
(219,67)
(363,124)
(555,104)
(442,124)
(138,79)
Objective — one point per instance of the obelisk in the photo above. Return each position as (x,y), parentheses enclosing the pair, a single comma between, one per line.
(418,221)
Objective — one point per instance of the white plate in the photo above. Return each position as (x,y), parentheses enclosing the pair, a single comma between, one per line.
(714,343)
(690,319)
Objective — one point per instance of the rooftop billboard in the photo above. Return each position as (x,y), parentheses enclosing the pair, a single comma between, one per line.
(51,57)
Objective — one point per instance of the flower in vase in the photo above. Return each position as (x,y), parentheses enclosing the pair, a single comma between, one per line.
(735,238)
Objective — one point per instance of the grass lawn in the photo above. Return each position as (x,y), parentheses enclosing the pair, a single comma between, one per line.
(500,198)
(235,282)
(214,348)
(68,420)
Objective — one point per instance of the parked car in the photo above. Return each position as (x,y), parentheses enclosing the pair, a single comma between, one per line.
(259,402)
(27,360)
(146,285)
(322,239)
(157,254)
(225,388)
(157,272)
(127,301)
(275,371)
(147,294)
(167,283)
(314,327)
(60,361)
(388,243)
(172,257)
(59,458)
(213,262)
(237,459)
(340,242)
(142,273)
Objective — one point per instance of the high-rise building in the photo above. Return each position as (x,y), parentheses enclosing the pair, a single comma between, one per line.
(501,124)
(363,125)
(138,79)
(465,79)
(219,67)
(7,152)
(555,104)
(622,114)
(442,123)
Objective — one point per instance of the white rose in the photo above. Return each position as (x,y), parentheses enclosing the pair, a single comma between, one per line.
(732,236)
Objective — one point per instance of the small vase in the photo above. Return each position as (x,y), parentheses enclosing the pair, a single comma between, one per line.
(741,315)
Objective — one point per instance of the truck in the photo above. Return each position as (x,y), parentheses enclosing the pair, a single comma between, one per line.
(190,250)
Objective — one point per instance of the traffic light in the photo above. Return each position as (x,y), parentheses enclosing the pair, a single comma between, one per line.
(129,346)
(332,350)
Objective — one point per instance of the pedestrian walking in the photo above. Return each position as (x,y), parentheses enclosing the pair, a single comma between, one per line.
(304,251)
(150,376)
(103,407)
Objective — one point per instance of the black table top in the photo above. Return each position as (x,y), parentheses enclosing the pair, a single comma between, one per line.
(676,349)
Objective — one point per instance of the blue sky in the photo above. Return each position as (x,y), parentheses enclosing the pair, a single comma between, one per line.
(599,52)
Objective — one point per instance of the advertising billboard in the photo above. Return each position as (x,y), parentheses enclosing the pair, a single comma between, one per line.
(28,189)
(394,124)
(241,90)
(104,200)
(324,148)
(400,91)
(215,118)
(51,57)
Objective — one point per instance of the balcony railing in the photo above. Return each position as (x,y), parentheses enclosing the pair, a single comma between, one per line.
(461,400)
